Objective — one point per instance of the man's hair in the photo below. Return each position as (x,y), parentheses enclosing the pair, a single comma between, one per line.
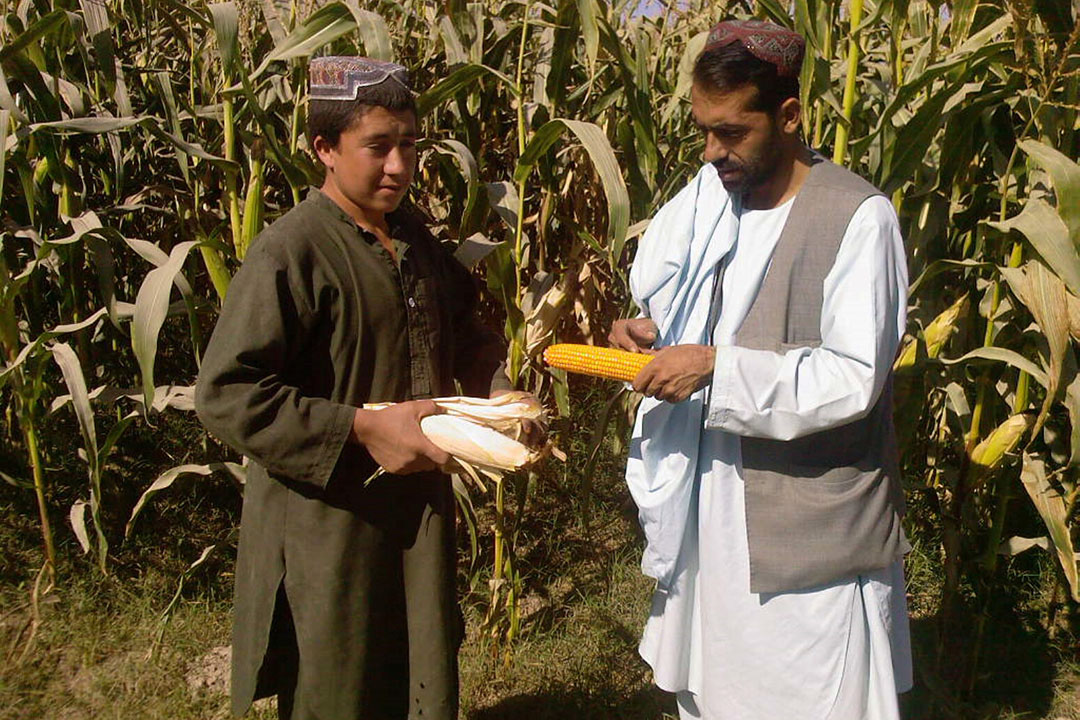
(730,67)
(330,118)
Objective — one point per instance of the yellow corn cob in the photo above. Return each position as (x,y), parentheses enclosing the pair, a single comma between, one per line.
(596,361)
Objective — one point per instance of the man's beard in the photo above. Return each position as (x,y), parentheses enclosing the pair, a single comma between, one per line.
(752,173)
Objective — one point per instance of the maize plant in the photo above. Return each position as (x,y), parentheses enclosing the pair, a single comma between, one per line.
(133,133)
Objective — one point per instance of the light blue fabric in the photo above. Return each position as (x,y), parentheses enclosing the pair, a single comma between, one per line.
(672,282)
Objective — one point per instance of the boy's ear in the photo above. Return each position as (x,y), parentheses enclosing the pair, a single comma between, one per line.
(324,150)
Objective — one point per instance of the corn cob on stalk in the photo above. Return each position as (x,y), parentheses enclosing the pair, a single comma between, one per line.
(989,453)
(935,334)
(600,362)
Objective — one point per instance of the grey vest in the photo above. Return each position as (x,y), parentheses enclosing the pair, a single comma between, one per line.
(824,506)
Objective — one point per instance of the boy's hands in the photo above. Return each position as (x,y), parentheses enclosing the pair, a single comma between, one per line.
(635,335)
(394,439)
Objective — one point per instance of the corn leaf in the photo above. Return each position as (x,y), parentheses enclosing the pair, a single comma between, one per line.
(226,19)
(77,518)
(1048,234)
(607,167)
(324,26)
(35,346)
(374,34)
(151,307)
(41,27)
(503,198)
(1051,506)
(1009,357)
(461,78)
(165,481)
(1065,174)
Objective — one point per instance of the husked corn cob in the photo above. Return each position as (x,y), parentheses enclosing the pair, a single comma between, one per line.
(596,361)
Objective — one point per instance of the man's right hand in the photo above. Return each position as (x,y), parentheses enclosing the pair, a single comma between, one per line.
(635,335)
(394,439)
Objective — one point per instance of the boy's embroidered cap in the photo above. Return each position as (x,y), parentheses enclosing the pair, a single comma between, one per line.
(338,77)
(771,43)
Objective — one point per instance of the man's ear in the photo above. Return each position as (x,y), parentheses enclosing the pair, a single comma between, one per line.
(789,116)
(324,151)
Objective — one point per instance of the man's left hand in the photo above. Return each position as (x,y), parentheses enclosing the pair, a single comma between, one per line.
(676,372)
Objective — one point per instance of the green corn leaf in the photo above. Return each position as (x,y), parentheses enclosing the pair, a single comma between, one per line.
(373,32)
(1065,174)
(461,78)
(151,307)
(1048,234)
(76,384)
(602,155)
(96,16)
(774,11)
(45,25)
(1054,513)
(589,13)
(503,198)
(324,26)
(93,125)
(1002,355)
(1043,293)
(226,19)
(963,15)
(452,45)
(172,117)
(471,172)
(165,481)
(5,125)
(36,345)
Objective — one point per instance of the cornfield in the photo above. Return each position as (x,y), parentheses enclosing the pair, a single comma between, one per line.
(146,142)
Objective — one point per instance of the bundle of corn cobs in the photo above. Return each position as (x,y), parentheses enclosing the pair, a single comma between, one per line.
(483,435)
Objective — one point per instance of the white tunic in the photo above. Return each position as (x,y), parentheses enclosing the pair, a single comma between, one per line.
(839,652)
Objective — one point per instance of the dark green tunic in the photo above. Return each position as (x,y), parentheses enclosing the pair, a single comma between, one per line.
(318,321)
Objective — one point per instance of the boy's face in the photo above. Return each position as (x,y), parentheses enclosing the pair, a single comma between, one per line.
(374,161)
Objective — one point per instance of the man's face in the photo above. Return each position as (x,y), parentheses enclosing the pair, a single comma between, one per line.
(743,143)
(374,160)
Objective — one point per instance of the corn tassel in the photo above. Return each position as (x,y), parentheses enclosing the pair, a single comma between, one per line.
(599,362)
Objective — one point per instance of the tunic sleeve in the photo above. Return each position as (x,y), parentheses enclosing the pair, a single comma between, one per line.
(242,395)
(758,393)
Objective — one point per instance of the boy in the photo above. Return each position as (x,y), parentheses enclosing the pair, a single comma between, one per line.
(345,604)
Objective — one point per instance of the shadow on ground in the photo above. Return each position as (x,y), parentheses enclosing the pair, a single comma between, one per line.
(646,704)
(1014,676)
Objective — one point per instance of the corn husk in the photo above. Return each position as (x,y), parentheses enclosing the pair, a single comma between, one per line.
(1003,440)
(482,434)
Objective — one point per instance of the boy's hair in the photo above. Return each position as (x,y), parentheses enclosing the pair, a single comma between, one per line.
(330,118)
(730,67)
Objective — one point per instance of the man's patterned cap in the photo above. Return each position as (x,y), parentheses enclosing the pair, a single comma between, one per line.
(768,42)
(338,77)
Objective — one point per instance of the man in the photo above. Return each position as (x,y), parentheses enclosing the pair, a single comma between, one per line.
(762,459)
(345,590)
